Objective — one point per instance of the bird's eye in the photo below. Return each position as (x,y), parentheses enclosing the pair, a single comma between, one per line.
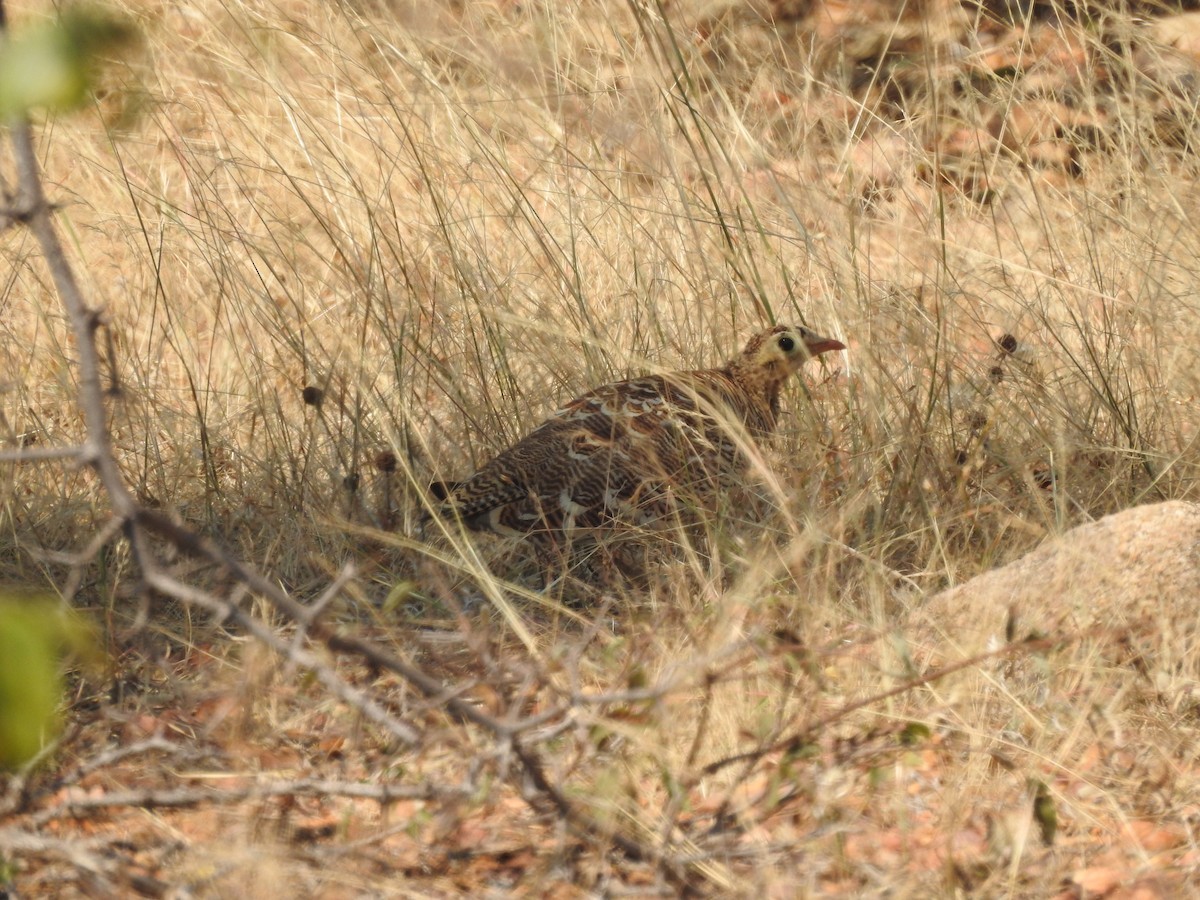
(787,344)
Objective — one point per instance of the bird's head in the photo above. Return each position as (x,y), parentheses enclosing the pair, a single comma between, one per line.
(779,353)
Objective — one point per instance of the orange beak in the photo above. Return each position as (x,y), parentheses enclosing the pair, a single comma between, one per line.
(818,345)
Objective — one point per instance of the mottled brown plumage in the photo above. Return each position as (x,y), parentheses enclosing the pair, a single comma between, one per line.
(635,451)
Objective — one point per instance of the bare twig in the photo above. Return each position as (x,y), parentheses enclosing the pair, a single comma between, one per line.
(97,448)
(15,841)
(118,754)
(178,798)
(79,560)
(161,581)
(462,710)
(38,454)
(806,734)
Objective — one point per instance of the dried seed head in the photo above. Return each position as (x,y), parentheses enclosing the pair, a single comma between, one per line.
(313,395)
(1008,343)
(385,461)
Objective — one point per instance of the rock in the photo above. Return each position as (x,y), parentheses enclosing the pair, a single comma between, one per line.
(1134,574)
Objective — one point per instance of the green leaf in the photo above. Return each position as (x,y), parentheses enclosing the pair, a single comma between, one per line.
(35,633)
(52,65)
(915,733)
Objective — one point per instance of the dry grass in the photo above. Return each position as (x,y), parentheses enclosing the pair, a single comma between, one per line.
(445,221)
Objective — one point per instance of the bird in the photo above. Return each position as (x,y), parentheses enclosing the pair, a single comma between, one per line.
(636,452)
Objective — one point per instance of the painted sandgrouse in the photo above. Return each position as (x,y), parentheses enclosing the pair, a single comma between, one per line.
(635,452)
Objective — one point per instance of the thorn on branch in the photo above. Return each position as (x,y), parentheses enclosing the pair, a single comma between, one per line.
(14,214)
(20,211)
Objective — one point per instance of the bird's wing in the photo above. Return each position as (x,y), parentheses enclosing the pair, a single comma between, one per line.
(680,431)
(606,453)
